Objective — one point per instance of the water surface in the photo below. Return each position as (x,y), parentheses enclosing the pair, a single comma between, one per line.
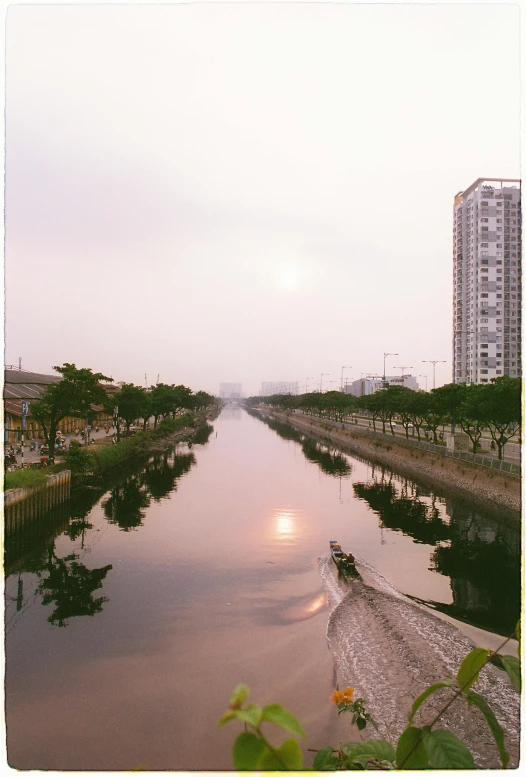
(133,612)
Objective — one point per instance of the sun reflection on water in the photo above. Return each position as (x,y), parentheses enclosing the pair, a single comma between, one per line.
(284,526)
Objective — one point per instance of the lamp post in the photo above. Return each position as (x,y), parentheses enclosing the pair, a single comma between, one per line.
(433,362)
(406,366)
(307,384)
(424,376)
(321,381)
(346,367)
(385,355)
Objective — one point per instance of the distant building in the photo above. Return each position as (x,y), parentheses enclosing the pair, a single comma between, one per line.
(370,384)
(268,388)
(487,281)
(230,390)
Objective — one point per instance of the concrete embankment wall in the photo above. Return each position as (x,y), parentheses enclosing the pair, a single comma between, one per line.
(488,489)
(22,505)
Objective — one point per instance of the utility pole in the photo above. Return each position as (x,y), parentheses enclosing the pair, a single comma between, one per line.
(24,414)
(346,367)
(433,362)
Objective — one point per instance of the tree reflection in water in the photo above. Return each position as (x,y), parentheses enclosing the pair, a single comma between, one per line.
(163,471)
(70,585)
(330,463)
(403,512)
(480,555)
(66,581)
(327,460)
(127,504)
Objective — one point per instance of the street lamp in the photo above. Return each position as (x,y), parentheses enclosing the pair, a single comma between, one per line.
(307,384)
(347,367)
(424,376)
(387,354)
(433,362)
(321,380)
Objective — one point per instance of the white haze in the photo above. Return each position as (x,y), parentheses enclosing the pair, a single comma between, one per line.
(246,192)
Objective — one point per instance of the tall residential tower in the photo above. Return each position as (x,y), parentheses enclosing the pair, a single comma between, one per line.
(487,271)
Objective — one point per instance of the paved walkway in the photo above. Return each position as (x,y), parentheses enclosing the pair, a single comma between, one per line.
(34,456)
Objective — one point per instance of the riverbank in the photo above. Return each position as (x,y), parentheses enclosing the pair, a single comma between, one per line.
(486,489)
(104,455)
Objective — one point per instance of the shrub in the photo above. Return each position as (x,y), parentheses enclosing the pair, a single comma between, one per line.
(79,460)
(24,478)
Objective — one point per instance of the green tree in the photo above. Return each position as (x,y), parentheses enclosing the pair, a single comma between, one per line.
(74,395)
(471,417)
(500,407)
(133,403)
(182,399)
(202,400)
(161,401)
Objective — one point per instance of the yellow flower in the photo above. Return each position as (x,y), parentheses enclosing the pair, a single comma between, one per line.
(348,694)
(337,697)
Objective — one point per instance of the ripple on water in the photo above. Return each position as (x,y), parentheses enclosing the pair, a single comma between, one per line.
(389,650)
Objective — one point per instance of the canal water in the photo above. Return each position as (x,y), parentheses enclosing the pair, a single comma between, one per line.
(132,612)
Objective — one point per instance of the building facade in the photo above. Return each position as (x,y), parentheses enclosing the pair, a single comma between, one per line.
(269,388)
(22,387)
(230,390)
(487,270)
(365,386)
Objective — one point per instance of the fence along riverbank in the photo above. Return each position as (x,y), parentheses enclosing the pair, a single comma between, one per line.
(22,505)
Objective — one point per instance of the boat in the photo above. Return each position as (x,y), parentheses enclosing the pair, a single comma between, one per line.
(344,561)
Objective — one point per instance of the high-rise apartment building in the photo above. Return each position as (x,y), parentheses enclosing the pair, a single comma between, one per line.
(487,270)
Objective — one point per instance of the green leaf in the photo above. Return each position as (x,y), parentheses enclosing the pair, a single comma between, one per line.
(372,748)
(239,695)
(446,751)
(247,752)
(291,753)
(428,691)
(409,754)
(251,715)
(324,757)
(275,713)
(513,667)
(471,666)
(230,715)
(288,757)
(493,723)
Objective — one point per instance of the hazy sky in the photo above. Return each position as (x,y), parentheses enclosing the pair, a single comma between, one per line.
(246,192)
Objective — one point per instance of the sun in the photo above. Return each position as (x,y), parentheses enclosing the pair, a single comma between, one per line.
(289,277)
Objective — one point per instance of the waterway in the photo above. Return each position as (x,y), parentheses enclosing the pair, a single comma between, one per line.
(132,612)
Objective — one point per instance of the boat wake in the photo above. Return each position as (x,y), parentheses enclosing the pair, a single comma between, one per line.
(389,650)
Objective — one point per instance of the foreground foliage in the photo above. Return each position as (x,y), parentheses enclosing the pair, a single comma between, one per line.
(418,747)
